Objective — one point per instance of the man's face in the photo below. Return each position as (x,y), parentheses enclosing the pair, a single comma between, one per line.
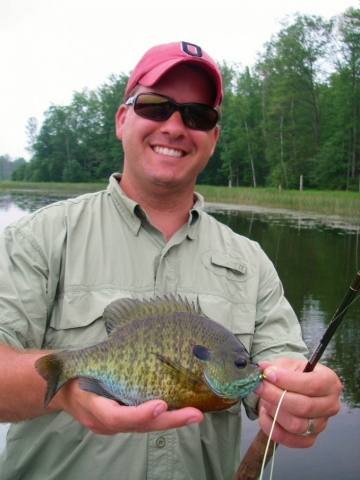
(167,153)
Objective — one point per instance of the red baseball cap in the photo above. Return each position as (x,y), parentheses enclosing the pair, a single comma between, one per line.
(161,58)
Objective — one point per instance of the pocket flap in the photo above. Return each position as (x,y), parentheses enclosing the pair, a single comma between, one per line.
(223,264)
(77,319)
(225,260)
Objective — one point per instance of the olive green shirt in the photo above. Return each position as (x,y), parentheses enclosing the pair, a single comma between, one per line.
(59,268)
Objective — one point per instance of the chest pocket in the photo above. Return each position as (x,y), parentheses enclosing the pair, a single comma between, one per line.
(235,269)
(76,319)
(239,318)
(233,302)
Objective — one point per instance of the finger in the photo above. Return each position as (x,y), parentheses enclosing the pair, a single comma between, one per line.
(296,403)
(293,403)
(283,437)
(321,382)
(149,416)
(173,419)
(295,424)
(152,416)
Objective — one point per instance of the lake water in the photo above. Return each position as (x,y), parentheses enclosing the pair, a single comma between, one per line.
(317,258)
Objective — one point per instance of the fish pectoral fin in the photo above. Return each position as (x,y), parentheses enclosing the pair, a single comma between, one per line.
(95,386)
(178,372)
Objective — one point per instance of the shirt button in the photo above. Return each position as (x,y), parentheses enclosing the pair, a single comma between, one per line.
(160,442)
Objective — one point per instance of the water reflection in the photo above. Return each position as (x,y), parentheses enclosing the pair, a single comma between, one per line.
(15,205)
(26,202)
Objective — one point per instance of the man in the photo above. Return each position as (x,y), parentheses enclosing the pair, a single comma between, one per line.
(147,235)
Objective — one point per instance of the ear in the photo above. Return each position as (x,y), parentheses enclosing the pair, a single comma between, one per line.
(216,137)
(119,120)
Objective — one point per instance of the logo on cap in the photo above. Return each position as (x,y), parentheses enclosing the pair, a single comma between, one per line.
(194,52)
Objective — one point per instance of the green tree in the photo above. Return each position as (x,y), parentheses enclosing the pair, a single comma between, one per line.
(54,145)
(6,167)
(249,97)
(291,70)
(110,152)
(77,142)
(21,171)
(348,27)
(31,131)
(336,164)
(73,173)
(218,170)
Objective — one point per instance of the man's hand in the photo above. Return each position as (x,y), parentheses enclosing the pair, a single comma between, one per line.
(313,395)
(107,417)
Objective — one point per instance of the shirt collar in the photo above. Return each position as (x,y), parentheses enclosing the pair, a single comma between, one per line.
(124,204)
(133,213)
(195,215)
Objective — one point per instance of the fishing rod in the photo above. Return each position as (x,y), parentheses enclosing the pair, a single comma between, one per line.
(250,466)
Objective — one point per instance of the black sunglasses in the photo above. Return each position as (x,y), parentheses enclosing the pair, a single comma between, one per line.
(158,107)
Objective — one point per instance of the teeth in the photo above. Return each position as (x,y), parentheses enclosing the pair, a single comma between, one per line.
(168,151)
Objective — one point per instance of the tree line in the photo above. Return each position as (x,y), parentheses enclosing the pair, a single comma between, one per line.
(294,114)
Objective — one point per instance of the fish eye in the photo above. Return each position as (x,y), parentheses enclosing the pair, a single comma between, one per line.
(240,362)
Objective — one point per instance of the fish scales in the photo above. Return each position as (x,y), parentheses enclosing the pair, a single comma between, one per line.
(162,348)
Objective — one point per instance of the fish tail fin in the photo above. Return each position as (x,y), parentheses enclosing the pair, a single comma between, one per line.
(51,368)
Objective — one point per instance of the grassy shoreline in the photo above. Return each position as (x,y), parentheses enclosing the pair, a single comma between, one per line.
(344,204)
(51,187)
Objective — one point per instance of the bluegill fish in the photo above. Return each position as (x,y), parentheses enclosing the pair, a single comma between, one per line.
(158,349)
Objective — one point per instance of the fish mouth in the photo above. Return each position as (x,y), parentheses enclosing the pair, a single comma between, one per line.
(239,388)
(253,380)
(258,373)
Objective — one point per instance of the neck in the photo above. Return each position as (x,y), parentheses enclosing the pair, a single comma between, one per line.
(167,207)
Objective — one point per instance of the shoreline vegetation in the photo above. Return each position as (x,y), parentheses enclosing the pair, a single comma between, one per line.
(341,203)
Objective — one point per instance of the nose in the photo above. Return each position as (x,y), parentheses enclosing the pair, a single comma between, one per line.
(174,125)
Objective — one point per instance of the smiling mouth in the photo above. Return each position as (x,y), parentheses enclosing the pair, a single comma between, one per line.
(171,152)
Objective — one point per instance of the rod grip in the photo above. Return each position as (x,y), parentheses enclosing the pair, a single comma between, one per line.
(250,466)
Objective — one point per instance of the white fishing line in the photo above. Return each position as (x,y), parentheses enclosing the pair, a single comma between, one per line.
(269,440)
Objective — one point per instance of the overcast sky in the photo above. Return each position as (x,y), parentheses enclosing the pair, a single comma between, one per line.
(51,48)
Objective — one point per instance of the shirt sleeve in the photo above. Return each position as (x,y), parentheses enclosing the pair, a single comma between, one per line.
(277,329)
(27,281)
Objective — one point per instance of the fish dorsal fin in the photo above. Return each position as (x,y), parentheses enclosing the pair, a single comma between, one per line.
(125,310)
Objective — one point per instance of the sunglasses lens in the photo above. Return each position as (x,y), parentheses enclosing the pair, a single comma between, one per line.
(157,107)
(153,107)
(200,117)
